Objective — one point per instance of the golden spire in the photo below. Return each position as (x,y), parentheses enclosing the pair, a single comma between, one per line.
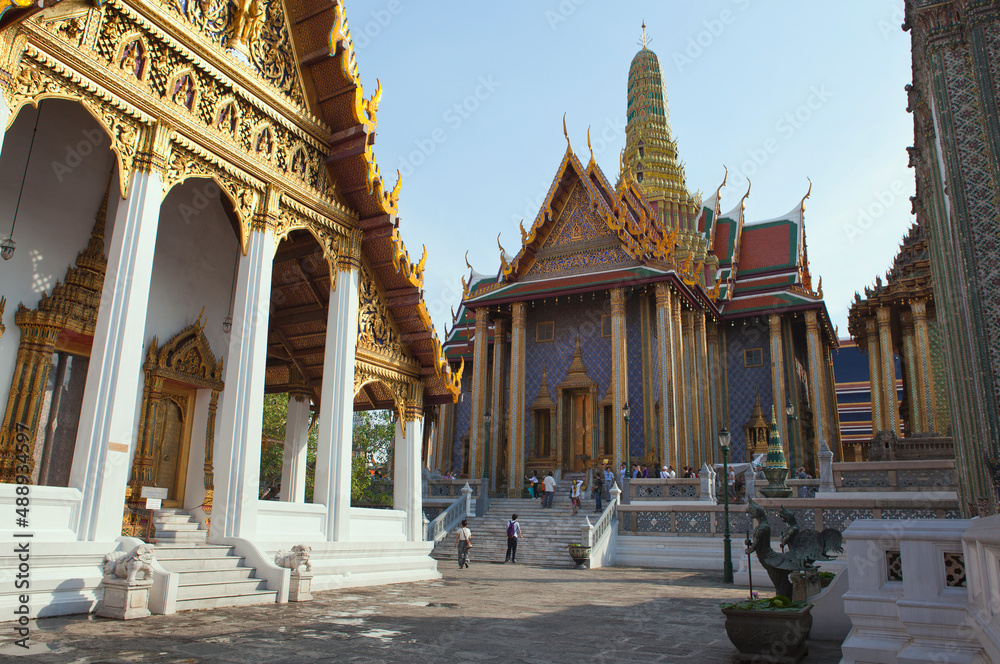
(645,40)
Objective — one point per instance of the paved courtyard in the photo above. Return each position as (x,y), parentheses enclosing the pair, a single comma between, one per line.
(487,613)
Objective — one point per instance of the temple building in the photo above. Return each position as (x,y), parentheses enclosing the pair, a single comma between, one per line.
(896,326)
(636,321)
(197,218)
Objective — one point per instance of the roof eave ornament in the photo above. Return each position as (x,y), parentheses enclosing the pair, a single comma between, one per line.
(569,147)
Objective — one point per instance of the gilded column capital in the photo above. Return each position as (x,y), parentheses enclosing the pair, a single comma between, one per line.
(413,402)
(154,149)
(906,320)
(812,323)
(711,332)
(482,316)
(774,323)
(617,301)
(350,251)
(663,295)
(871,326)
(519,313)
(919,309)
(884,316)
(265,217)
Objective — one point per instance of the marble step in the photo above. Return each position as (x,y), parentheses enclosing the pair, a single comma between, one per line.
(181,537)
(215,575)
(174,526)
(160,517)
(172,551)
(220,589)
(259,597)
(221,563)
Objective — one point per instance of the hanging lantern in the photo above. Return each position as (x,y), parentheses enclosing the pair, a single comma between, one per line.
(7,248)
(227,324)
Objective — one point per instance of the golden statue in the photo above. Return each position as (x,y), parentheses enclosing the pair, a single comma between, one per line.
(246,22)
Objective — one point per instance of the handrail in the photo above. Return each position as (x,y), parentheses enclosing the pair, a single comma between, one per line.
(596,532)
(443,523)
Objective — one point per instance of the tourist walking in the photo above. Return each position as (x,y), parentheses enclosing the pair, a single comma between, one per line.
(621,475)
(574,494)
(463,540)
(513,534)
(550,490)
(533,488)
(609,480)
(595,491)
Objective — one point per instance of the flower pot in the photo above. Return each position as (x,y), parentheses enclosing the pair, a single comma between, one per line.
(579,554)
(769,635)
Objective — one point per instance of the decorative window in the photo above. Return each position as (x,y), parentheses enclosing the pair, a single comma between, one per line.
(545,331)
(543,431)
(606,325)
(753,357)
(954,570)
(893,566)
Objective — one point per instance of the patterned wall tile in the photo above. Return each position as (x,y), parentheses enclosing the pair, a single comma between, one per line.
(746,383)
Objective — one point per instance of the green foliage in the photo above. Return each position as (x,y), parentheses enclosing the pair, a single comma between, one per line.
(374,437)
(272,448)
(776,603)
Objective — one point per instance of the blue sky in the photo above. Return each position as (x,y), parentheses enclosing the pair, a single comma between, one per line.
(474,95)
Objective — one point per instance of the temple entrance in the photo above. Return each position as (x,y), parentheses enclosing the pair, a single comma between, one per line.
(577,430)
(171,441)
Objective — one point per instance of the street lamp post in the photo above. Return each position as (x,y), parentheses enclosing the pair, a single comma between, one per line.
(727,565)
(790,413)
(628,447)
(486,451)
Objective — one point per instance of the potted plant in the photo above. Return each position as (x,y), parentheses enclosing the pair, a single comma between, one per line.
(768,630)
(580,553)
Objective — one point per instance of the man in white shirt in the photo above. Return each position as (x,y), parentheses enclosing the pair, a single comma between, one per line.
(463,540)
(575,493)
(550,490)
(513,534)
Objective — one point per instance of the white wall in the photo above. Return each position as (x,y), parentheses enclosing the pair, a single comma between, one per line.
(66,180)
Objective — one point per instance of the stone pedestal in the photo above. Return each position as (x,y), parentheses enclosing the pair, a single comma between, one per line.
(805,584)
(124,600)
(301,585)
(825,460)
(776,483)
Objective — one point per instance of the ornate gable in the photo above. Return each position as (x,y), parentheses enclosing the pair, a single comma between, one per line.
(580,241)
(252,31)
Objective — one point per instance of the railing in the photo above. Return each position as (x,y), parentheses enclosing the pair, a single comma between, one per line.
(664,489)
(450,488)
(596,532)
(460,509)
(803,488)
(937,474)
(708,519)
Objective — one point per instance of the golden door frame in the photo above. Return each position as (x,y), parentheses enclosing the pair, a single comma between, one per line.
(184,364)
(183,396)
(576,382)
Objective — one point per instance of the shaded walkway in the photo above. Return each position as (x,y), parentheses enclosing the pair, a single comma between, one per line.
(488,613)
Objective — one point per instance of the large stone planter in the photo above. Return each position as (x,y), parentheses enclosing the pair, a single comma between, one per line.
(579,554)
(769,635)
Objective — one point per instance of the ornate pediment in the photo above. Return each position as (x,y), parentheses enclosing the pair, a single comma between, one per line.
(377,336)
(252,31)
(580,241)
(187,357)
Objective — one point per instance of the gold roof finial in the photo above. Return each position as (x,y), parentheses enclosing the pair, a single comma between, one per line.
(645,40)
(569,147)
(589,147)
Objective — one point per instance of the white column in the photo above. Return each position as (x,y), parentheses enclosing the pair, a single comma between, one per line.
(336,422)
(406,476)
(293,460)
(237,450)
(107,416)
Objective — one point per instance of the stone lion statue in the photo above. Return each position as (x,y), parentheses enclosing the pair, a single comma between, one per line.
(294,559)
(121,565)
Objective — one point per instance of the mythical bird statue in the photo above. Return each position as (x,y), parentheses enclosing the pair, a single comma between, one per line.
(806,546)
(777,564)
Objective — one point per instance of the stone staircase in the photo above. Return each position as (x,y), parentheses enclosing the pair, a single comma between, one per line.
(546,531)
(210,576)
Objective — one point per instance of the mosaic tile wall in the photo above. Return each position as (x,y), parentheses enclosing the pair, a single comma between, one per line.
(463,414)
(633,349)
(572,316)
(745,383)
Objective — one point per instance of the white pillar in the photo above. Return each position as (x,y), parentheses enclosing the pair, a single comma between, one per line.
(293,460)
(406,476)
(237,449)
(107,416)
(336,412)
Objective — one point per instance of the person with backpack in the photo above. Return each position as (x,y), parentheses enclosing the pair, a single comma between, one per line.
(513,534)
(463,540)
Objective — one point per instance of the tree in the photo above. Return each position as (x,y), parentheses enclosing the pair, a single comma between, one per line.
(374,436)
(272,447)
